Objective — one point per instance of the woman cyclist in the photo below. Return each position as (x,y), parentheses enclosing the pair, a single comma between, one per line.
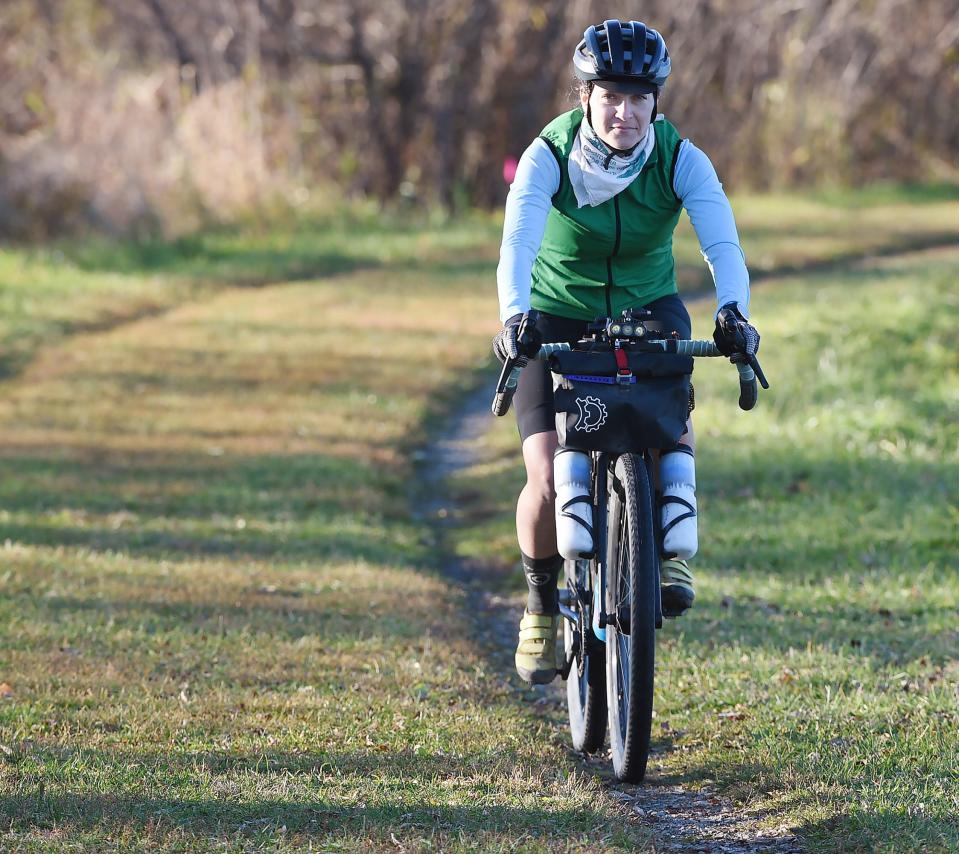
(588,233)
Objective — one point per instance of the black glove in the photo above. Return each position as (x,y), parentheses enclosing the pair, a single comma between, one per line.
(518,337)
(734,335)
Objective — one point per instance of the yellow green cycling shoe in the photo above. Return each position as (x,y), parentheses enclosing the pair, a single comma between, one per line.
(676,585)
(536,652)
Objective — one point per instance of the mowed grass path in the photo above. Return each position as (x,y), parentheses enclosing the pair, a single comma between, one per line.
(49,293)
(221,628)
(816,678)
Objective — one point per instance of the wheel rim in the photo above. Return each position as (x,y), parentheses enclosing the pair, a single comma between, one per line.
(582,681)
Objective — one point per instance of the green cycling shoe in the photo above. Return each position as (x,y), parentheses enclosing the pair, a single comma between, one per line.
(676,584)
(536,652)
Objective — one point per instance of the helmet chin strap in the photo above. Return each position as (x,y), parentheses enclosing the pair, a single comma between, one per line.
(618,152)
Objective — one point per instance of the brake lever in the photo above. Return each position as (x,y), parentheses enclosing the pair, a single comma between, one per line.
(509,373)
(754,364)
(506,385)
(528,346)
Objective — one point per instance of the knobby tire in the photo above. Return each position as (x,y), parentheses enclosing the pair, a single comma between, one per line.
(630,650)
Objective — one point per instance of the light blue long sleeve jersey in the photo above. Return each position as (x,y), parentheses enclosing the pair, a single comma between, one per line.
(695,182)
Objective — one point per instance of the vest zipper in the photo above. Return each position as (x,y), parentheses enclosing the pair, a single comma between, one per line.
(609,260)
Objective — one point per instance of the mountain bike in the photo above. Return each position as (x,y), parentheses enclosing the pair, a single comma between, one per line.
(611,604)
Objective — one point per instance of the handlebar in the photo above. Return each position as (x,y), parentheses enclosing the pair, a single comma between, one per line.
(748,367)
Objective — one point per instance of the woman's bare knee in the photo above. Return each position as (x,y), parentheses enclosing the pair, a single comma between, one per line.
(538,457)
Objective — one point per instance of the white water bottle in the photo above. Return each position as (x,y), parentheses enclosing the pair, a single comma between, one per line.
(677,474)
(574,506)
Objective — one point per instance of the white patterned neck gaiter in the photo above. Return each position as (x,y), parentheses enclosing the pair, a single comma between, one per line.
(598,172)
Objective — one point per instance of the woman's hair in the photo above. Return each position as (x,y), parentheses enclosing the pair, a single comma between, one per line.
(578,88)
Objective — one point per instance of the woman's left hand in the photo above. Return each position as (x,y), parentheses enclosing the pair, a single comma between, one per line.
(734,334)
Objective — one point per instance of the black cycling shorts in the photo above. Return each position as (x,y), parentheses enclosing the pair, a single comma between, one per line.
(533,400)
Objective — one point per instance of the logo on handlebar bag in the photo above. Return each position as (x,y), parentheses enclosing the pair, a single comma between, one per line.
(592,414)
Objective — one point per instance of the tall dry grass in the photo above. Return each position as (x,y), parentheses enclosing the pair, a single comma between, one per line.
(138,153)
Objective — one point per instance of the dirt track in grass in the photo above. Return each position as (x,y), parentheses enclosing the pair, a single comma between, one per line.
(680,819)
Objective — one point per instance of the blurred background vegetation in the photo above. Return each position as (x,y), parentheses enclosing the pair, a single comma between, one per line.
(159,117)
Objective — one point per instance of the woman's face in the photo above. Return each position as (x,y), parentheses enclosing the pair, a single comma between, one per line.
(620,120)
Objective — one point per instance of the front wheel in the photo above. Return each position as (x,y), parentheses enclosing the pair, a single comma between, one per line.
(586,685)
(631,613)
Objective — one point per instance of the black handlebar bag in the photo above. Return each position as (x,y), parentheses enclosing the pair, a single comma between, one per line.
(600,407)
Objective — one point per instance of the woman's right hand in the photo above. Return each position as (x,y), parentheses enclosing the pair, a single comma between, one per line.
(518,335)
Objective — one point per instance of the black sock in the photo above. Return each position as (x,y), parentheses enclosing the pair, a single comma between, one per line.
(542,573)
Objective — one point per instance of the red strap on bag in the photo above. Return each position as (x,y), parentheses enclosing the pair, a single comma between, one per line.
(622,362)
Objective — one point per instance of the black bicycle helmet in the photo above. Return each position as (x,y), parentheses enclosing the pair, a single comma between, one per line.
(625,55)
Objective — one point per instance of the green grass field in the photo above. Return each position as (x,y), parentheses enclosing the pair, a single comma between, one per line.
(222,627)
(817,675)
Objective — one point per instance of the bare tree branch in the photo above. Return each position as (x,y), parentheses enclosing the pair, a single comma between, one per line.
(184,56)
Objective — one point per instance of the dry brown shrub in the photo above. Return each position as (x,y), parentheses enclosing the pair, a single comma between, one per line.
(135,154)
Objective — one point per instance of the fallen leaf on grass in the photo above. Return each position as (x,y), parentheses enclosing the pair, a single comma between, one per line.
(13,753)
(732,715)
(254,823)
(6,692)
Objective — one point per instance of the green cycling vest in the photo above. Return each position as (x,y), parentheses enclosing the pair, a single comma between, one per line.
(597,261)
